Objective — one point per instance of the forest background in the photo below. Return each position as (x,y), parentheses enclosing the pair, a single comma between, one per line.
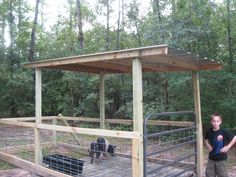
(203,27)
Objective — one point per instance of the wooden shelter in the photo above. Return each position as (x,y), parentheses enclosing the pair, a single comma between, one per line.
(160,58)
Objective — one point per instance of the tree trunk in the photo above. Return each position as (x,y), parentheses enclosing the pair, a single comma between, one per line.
(118,30)
(42,13)
(156,9)
(108,25)
(166,94)
(2,31)
(190,2)
(138,34)
(81,36)
(19,15)
(157,12)
(33,33)
(123,15)
(173,19)
(230,61)
(12,38)
(71,26)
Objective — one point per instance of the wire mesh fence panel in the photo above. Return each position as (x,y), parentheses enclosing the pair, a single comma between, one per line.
(70,153)
(17,141)
(85,155)
(170,148)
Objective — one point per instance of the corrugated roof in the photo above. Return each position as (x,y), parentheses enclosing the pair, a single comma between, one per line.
(159,58)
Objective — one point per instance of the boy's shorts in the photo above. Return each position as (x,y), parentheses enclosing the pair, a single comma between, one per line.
(216,168)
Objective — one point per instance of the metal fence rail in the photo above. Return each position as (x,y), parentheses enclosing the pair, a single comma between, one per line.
(170,150)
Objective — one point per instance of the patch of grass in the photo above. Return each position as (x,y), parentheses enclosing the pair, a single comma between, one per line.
(5,166)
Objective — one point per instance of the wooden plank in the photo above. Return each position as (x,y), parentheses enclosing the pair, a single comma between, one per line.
(83,119)
(113,55)
(31,167)
(152,122)
(102,100)
(165,59)
(197,105)
(97,120)
(135,158)
(38,115)
(28,118)
(111,66)
(214,66)
(138,116)
(148,66)
(171,123)
(75,68)
(17,123)
(130,122)
(19,119)
(89,131)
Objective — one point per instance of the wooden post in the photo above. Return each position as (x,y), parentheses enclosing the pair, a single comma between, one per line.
(197,105)
(38,115)
(54,133)
(137,145)
(102,101)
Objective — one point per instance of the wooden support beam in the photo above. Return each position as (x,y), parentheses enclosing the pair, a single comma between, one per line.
(197,105)
(214,66)
(102,101)
(137,146)
(164,59)
(90,131)
(26,119)
(83,119)
(38,115)
(130,122)
(108,66)
(31,167)
(105,56)
(135,158)
(17,123)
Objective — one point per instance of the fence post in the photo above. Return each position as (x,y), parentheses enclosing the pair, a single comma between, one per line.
(137,145)
(38,115)
(197,105)
(102,101)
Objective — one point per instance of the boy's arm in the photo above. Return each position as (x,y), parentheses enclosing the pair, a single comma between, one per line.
(208,145)
(226,148)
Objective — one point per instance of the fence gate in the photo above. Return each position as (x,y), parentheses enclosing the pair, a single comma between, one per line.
(170,145)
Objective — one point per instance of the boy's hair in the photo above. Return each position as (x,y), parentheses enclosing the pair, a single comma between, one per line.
(216,114)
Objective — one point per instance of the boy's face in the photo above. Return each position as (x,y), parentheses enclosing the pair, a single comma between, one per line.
(216,122)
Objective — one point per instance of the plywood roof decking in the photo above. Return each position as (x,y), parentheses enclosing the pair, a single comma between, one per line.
(160,58)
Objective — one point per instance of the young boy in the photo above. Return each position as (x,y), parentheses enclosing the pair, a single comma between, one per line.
(218,142)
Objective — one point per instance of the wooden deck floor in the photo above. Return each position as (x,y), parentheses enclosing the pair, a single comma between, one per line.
(122,167)
(112,167)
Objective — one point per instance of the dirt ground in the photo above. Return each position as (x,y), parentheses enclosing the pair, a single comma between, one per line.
(17,172)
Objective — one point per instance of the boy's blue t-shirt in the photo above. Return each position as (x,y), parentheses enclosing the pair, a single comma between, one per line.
(218,139)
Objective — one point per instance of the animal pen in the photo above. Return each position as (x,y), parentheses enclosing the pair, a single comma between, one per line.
(47,146)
